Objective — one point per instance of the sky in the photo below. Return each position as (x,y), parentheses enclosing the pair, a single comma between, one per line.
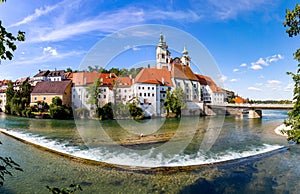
(245,38)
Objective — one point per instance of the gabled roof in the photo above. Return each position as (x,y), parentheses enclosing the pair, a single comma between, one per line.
(69,75)
(124,82)
(21,81)
(108,79)
(204,80)
(180,71)
(58,87)
(42,73)
(4,82)
(84,78)
(154,76)
(56,73)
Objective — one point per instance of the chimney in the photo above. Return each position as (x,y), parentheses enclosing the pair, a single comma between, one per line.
(109,75)
(163,80)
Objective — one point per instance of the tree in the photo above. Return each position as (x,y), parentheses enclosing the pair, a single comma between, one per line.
(175,101)
(93,91)
(7,42)
(7,46)
(59,111)
(293,29)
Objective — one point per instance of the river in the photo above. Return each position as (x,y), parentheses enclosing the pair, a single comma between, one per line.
(277,172)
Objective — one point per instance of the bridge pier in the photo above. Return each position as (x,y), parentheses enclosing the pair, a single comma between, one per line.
(254,114)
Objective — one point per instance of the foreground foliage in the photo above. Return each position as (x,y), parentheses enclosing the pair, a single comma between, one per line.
(293,29)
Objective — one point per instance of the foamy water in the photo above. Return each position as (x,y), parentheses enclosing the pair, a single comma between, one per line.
(136,159)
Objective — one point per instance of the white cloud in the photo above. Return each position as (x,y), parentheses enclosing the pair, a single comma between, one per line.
(226,9)
(37,13)
(48,58)
(222,78)
(49,51)
(289,87)
(243,65)
(261,61)
(265,61)
(254,89)
(233,80)
(274,84)
(274,58)
(259,84)
(255,66)
(235,70)
(106,22)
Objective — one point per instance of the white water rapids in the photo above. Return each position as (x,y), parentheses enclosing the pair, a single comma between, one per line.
(134,159)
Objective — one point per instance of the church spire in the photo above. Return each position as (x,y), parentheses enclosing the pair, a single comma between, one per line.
(185,51)
(161,39)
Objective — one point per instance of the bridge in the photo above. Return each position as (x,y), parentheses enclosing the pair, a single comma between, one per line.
(253,109)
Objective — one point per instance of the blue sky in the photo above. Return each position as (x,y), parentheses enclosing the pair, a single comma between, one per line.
(245,37)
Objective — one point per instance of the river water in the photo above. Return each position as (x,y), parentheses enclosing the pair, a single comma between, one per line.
(184,142)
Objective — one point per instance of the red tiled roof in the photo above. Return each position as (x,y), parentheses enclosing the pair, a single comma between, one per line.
(4,82)
(84,78)
(183,72)
(69,75)
(57,87)
(108,79)
(124,82)
(154,76)
(204,80)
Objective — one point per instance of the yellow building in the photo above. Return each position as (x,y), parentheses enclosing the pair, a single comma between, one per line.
(45,91)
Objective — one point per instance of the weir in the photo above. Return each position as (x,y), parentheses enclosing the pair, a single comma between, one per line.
(193,165)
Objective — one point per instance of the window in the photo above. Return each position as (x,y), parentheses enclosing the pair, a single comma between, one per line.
(35,98)
(139,87)
(148,94)
(44,98)
(142,87)
(125,91)
(153,95)
(145,94)
(104,96)
(148,88)
(104,90)
(152,88)
(149,103)
(164,95)
(140,94)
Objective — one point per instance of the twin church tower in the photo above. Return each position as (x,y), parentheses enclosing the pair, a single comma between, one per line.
(163,55)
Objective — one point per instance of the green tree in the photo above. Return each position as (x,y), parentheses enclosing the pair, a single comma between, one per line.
(93,91)
(59,111)
(175,101)
(7,46)
(292,24)
(7,42)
